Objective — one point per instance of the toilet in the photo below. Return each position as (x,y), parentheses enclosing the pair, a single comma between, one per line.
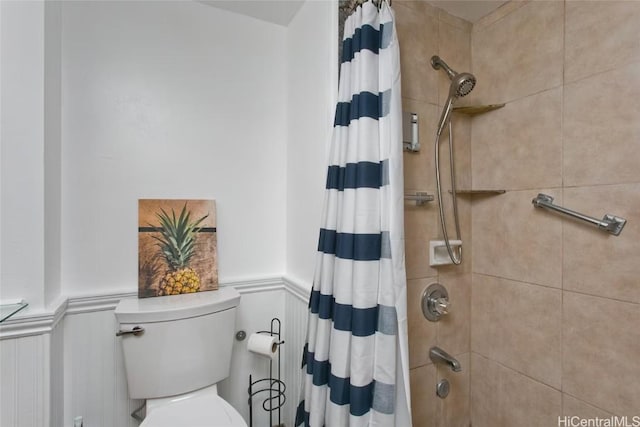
(176,349)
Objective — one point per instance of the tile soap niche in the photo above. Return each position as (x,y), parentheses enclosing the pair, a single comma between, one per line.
(438,254)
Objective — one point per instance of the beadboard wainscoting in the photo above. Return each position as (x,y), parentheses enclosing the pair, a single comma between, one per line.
(31,368)
(68,363)
(296,310)
(25,381)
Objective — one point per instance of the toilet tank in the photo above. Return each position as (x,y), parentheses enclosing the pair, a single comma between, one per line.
(186,344)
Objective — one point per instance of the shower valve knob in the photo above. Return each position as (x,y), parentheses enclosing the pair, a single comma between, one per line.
(435,302)
(441,305)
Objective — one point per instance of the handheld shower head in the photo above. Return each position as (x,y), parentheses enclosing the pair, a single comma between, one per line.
(461,85)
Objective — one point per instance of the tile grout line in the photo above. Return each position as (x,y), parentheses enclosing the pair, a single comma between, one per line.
(572,291)
(562,223)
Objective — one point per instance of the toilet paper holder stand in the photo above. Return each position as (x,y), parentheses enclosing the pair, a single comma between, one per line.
(271,385)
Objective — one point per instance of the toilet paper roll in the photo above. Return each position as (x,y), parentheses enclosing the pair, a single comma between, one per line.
(263,345)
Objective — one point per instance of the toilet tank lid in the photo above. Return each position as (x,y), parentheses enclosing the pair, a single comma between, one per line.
(175,307)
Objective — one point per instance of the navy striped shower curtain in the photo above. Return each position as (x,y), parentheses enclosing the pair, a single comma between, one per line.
(355,360)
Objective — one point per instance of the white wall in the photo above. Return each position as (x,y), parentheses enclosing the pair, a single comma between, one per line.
(52,150)
(156,99)
(159,99)
(170,100)
(22,146)
(30,152)
(312,91)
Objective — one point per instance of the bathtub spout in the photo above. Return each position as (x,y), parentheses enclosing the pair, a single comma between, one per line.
(438,355)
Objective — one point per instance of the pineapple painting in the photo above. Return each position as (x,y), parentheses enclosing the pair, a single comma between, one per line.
(177,251)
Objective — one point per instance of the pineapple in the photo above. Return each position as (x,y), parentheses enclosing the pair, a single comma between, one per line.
(177,244)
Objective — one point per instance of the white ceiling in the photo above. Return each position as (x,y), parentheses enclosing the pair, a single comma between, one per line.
(282,11)
(276,11)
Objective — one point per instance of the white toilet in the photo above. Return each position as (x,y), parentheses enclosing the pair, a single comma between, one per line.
(181,353)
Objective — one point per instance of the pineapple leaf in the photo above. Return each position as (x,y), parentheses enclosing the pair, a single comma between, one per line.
(177,236)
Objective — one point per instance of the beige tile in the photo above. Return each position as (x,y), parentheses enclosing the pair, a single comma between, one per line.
(518,325)
(596,262)
(600,36)
(601,128)
(504,10)
(485,392)
(455,49)
(520,54)
(572,407)
(601,344)
(461,151)
(418,39)
(453,329)
(424,402)
(417,258)
(520,145)
(454,21)
(514,240)
(419,167)
(525,402)
(501,397)
(419,220)
(464,215)
(419,6)
(422,333)
(455,408)
(420,227)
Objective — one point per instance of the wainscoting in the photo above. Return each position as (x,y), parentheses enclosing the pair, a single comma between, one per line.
(296,303)
(25,380)
(69,363)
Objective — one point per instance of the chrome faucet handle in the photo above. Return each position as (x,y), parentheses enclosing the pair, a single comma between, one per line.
(441,305)
(435,302)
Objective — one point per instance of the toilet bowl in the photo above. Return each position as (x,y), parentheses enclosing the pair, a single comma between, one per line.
(203,408)
(176,349)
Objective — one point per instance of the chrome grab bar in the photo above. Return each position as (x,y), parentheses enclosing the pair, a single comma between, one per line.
(419,197)
(609,223)
(137,330)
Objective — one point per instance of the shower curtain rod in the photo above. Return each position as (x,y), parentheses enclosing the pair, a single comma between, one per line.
(353,4)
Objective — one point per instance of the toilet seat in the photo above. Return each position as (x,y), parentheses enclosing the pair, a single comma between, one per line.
(198,411)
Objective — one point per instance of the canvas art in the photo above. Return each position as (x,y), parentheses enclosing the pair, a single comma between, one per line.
(177,247)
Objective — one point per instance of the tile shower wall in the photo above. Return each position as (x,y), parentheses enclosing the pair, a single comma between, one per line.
(424,31)
(555,304)
(545,313)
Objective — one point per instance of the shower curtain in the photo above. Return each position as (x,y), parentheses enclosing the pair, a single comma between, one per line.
(355,360)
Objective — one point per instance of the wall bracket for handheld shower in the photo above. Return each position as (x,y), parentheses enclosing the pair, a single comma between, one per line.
(437,63)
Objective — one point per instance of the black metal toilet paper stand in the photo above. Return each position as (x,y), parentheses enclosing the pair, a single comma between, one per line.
(271,385)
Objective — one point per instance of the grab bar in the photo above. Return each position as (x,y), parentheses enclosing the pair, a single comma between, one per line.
(609,223)
(419,197)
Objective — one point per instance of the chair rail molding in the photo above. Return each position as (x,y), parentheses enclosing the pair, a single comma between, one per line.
(29,324)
